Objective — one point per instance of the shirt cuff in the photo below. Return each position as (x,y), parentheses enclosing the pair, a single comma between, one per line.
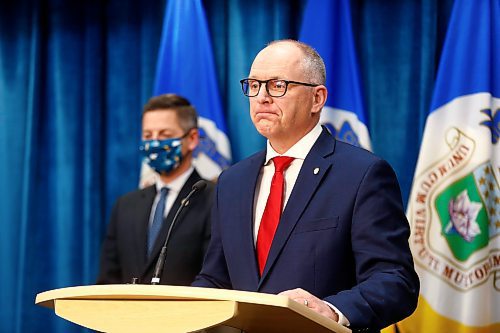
(342,319)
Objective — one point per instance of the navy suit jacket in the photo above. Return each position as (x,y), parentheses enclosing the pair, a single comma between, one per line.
(124,253)
(343,236)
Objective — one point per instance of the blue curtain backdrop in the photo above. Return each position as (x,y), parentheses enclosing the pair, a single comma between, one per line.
(73,78)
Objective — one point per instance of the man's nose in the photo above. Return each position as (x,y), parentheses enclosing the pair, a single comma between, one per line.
(155,136)
(263,95)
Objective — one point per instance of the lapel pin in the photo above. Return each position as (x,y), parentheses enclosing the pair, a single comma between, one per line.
(316,170)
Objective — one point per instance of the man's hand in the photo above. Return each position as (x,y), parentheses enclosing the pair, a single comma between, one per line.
(303,297)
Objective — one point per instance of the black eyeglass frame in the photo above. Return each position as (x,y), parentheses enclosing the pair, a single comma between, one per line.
(287,82)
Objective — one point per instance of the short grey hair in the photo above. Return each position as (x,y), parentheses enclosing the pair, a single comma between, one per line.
(314,65)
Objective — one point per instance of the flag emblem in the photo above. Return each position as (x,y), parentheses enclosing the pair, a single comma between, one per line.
(469,217)
(345,133)
(463,217)
(208,147)
(462,195)
(493,123)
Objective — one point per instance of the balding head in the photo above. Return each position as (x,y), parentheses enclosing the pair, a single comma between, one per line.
(311,62)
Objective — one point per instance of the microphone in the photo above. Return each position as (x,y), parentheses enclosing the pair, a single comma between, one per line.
(198,186)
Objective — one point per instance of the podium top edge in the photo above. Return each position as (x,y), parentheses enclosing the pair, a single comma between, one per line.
(159,292)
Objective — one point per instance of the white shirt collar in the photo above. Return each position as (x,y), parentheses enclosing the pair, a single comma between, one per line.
(300,149)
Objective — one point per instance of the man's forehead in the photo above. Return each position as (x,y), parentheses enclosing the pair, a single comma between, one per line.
(265,71)
(277,61)
(163,113)
(161,118)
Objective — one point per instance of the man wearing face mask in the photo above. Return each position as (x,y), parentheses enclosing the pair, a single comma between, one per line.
(140,219)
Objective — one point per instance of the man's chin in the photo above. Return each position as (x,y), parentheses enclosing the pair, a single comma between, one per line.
(170,173)
(265,130)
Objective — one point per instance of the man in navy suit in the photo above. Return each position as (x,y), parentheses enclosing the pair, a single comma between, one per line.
(339,242)
(140,219)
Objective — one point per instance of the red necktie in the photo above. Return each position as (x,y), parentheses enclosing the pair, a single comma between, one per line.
(272,212)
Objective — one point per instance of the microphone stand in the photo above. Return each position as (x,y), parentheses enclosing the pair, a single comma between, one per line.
(198,186)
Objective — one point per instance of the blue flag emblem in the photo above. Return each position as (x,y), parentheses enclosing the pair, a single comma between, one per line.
(493,124)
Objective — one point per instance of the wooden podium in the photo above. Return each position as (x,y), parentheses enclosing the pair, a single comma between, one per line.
(157,308)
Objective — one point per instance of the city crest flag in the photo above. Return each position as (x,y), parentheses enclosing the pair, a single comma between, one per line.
(454,207)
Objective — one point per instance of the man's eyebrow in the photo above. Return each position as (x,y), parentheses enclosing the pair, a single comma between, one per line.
(165,130)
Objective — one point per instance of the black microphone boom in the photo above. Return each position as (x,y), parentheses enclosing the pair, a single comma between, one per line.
(198,186)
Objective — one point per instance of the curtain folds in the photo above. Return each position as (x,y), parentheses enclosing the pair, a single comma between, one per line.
(74,76)
(398,44)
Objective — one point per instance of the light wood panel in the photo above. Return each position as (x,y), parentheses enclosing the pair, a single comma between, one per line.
(148,308)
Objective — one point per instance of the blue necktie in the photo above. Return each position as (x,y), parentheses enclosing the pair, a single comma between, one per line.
(155,227)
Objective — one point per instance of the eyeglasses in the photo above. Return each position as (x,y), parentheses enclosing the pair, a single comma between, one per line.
(274,87)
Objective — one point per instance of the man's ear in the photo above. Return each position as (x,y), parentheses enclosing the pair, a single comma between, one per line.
(193,139)
(319,98)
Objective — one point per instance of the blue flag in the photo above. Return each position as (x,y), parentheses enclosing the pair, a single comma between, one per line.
(454,207)
(186,67)
(326,26)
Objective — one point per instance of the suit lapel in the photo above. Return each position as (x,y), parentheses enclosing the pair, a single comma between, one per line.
(141,224)
(305,186)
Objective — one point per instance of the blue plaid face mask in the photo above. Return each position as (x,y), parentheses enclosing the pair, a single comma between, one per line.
(162,156)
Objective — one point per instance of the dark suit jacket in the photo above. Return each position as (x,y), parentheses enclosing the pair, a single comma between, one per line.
(343,236)
(123,254)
